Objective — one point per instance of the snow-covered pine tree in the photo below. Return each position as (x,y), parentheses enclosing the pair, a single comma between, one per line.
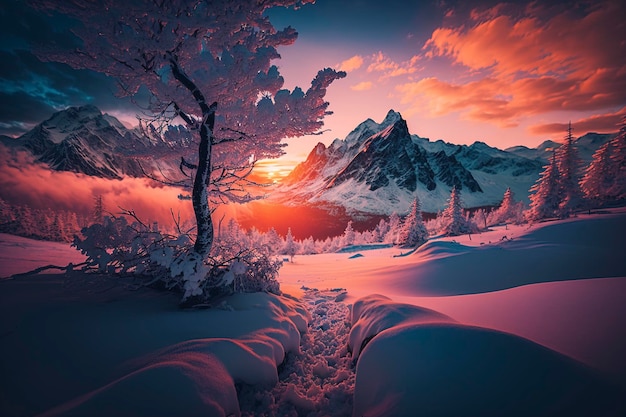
(618,162)
(290,247)
(413,231)
(452,220)
(598,183)
(509,210)
(348,235)
(544,197)
(569,164)
(273,241)
(307,246)
(393,229)
(381,230)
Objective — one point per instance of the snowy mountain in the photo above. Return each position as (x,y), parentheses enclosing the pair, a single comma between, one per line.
(586,146)
(379,167)
(84,140)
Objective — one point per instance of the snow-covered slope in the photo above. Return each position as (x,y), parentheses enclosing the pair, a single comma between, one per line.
(534,328)
(379,167)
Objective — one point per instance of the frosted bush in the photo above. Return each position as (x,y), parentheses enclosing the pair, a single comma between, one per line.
(123,248)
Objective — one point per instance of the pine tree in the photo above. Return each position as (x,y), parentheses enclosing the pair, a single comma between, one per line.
(381,230)
(452,219)
(394,228)
(413,232)
(349,235)
(290,248)
(618,163)
(598,183)
(544,198)
(509,210)
(569,164)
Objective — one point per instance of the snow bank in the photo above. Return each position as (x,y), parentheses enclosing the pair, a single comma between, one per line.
(564,250)
(372,314)
(20,254)
(89,346)
(197,383)
(448,369)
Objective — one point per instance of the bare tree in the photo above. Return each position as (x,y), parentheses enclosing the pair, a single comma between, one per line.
(209,65)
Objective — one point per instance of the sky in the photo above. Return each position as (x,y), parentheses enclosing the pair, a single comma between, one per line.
(502,73)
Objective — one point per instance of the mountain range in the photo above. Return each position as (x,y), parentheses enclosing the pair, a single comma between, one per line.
(380,167)
(377,169)
(85,140)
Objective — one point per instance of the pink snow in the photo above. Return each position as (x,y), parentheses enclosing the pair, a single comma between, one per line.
(517,315)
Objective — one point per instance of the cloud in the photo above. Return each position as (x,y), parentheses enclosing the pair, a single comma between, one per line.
(527,62)
(601,123)
(23,181)
(362,86)
(351,64)
(389,68)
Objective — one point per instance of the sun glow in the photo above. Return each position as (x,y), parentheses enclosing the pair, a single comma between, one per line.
(273,170)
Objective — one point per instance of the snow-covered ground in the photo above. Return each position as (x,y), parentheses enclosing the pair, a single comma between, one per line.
(516,321)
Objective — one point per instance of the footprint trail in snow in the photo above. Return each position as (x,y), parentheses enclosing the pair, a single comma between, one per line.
(320,380)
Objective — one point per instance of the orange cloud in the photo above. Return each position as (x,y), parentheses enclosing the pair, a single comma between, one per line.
(389,68)
(363,86)
(602,123)
(351,64)
(528,63)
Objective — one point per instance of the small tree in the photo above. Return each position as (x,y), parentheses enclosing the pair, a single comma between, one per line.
(509,210)
(290,247)
(413,232)
(618,163)
(544,198)
(598,183)
(452,220)
(393,228)
(348,235)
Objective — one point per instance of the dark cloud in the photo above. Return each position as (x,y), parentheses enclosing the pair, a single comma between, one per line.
(30,89)
(19,106)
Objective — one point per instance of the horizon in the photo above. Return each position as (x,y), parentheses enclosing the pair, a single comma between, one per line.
(273,171)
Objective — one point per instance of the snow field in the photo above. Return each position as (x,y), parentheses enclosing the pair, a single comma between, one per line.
(527,324)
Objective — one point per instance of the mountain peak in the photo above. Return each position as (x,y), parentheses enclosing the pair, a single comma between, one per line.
(391,118)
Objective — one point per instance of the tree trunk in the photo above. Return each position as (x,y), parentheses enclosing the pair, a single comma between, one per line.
(199,195)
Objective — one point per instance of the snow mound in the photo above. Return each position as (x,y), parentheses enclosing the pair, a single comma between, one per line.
(105,350)
(440,249)
(449,369)
(197,383)
(374,313)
